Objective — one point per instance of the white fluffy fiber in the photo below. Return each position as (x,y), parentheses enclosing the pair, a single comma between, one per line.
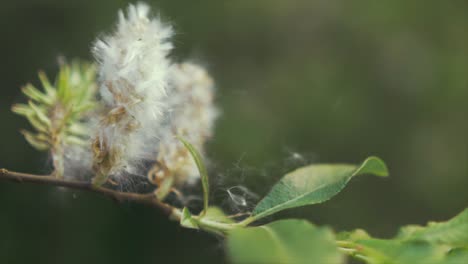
(146,102)
(133,75)
(191,116)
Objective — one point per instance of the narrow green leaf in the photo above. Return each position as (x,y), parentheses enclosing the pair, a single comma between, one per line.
(50,90)
(63,84)
(40,136)
(84,107)
(73,140)
(186,220)
(453,232)
(78,129)
(22,109)
(202,169)
(35,141)
(314,184)
(40,113)
(286,241)
(37,124)
(33,93)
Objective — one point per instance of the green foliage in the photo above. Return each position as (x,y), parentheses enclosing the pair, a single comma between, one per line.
(285,241)
(382,251)
(56,113)
(314,184)
(187,220)
(452,233)
(215,214)
(296,241)
(202,169)
(59,109)
(391,251)
(293,240)
(437,243)
(58,116)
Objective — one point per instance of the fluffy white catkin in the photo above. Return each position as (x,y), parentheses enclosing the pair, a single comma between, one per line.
(133,76)
(191,116)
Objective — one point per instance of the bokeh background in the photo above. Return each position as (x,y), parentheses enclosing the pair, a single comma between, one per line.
(298,82)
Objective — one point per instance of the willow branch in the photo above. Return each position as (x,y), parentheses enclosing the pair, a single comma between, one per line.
(148,198)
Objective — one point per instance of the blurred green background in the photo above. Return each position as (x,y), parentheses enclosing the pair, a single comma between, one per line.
(298,82)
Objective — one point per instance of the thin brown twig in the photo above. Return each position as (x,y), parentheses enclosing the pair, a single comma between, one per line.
(148,198)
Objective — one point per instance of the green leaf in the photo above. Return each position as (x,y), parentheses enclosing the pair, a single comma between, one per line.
(37,124)
(440,243)
(50,90)
(453,232)
(314,184)
(78,129)
(40,114)
(457,256)
(202,169)
(381,251)
(388,251)
(33,93)
(22,109)
(37,141)
(214,220)
(72,140)
(357,234)
(215,214)
(62,83)
(186,220)
(286,241)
